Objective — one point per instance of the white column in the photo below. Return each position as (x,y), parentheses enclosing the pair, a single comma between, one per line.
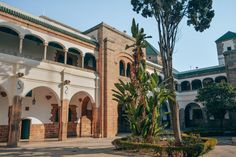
(65,56)
(21,43)
(82,60)
(96,58)
(45,51)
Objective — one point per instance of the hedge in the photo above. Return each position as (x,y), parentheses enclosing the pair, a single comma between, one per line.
(193,150)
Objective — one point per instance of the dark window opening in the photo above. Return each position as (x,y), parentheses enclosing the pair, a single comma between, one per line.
(122,68)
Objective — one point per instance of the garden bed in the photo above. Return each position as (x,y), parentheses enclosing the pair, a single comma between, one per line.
(164,148)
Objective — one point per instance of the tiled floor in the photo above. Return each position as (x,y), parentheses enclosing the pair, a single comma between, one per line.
(90,147)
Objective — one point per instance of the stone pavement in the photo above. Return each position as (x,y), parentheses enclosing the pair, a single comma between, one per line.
(90,147)
(224,148)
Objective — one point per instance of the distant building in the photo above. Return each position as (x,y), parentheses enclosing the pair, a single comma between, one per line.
(56,81)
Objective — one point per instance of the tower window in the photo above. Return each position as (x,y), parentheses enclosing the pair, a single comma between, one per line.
(229,48)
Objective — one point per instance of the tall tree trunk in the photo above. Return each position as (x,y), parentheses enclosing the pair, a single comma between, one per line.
(166,55)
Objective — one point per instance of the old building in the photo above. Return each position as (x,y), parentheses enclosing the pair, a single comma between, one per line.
(56,81)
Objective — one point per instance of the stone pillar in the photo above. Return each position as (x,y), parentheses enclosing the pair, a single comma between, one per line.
(21,44)
(182,118)
(95,121)
(14,121)
(63,120)
(82,60)
(45,51)
(65,56)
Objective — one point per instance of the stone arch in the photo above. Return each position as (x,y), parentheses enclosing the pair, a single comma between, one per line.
(4,107)
(17,32)
(55,52)
(207,81)
(75,55)
(83,115)
(90,61)
(185,86)
(121,68)
(193,115)
(38,105)
(33,47)
(196,84)
(220,79)
(36,36)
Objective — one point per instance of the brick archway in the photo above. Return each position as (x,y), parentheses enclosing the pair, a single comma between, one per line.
(82,116)
(39,105)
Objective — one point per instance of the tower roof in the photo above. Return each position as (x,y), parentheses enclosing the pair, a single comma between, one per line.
(151,50)
(227,36)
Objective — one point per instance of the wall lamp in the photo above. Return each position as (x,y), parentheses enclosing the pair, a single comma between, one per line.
(66,82)
(20,75)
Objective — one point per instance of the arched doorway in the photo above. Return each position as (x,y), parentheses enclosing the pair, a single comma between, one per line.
(81,116)
(123,124)
(4,105)
(40,111)
(193,115)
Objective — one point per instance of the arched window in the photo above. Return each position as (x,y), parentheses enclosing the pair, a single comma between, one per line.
(221,79)
(55,52)
(185,86)
(70,115)
(74,57)
(9,41)
(122,68)
(33,47)
(207,81)
(128,72)
(89,62)
(196,84)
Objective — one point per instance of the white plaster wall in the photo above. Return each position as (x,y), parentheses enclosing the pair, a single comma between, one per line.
(221,59)
(40,112)
(228,43)
(46,74)
(3,109)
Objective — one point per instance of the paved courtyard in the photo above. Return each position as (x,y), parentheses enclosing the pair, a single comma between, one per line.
(89,147)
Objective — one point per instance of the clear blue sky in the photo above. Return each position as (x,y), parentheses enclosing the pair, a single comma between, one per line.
(193,49)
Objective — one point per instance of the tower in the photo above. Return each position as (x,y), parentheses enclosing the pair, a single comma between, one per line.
(226,49)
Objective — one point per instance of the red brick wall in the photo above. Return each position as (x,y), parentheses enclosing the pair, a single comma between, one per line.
(42,131)
(86,127)
(73,129)
(3,133)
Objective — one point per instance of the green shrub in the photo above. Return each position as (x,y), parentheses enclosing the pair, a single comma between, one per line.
(188,149)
